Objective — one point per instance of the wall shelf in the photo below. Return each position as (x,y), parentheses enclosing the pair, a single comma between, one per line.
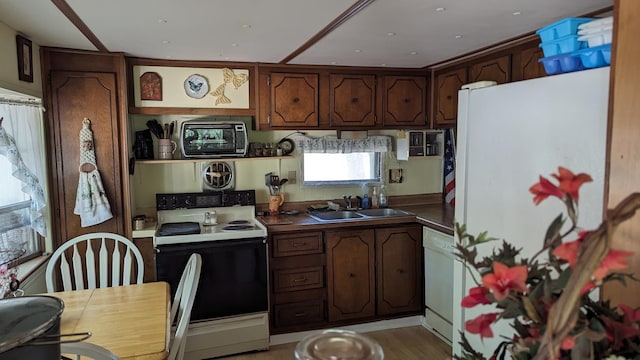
(190,161)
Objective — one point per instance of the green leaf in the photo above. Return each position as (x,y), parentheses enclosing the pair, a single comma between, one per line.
(552,238)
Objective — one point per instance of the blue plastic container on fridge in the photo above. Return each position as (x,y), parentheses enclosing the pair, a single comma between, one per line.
(562,45)
(594,57)
(562,63)
(562,28)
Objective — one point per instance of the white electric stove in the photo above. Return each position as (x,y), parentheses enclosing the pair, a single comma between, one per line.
(230,312)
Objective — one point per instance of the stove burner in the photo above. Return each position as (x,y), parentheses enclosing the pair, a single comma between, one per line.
(179,228)
(239,222)
(238,227)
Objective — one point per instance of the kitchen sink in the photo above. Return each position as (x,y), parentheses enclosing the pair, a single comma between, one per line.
(336,215)
(386,212)
(360,214)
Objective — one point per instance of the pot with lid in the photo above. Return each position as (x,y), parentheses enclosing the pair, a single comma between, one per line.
(30,327)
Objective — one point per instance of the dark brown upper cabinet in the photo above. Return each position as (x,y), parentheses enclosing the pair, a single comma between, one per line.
(352,100)
(496,69)
(294,100)
(405,101)
(447,85)
(526,65)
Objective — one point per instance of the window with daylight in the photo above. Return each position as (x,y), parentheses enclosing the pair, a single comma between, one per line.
(351,168)
(18,241)
(329,160)
(22,173)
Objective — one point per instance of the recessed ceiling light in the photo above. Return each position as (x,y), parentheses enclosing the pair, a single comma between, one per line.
(334,62)
(246,26)
(391,34)
(441,9)
(162,21)
(517,13)
(413,53)
(458,36)
(357,50)
(383,64)
(226,58)
(234,45)
(166,42)
(168,56)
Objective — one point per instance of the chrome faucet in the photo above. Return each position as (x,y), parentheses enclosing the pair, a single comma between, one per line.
(347,202)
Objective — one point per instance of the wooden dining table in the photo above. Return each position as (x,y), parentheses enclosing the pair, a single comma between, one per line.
(132,321)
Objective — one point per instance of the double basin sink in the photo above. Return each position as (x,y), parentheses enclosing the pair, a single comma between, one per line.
(358,214)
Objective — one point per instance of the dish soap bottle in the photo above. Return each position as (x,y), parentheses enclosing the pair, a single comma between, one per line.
(382,201)
(374,198)
(365,202)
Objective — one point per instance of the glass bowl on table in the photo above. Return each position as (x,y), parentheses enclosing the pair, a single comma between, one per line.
(335,344)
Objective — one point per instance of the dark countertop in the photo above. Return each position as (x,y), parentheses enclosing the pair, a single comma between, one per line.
(436,216)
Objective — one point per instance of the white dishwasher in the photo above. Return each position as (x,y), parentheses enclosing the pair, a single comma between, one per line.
(438,276)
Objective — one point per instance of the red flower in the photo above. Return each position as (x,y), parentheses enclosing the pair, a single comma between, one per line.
(630,315)
(569,251)
(503,279)
(481,325)
(569,183)
(544,189)
(613,261)
(477,295)
(568,343)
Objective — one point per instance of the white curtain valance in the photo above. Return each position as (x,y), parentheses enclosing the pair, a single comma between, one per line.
(331,144)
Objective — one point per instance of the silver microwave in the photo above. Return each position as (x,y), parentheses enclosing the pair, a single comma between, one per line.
(211,139)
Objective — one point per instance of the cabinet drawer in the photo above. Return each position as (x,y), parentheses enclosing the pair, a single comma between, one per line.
(297,244)
(298,279)
(299,313)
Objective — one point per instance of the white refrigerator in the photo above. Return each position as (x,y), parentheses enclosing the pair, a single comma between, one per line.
(508,135)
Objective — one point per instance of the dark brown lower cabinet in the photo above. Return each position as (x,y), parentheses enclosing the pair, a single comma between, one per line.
(297,281)
(145,245)
(374,272)
(399,269)
(353,275)
(350,274)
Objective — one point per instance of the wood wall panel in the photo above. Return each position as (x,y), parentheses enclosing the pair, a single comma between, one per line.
(624,147)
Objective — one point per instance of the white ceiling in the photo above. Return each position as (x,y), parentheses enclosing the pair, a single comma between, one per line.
(391,33)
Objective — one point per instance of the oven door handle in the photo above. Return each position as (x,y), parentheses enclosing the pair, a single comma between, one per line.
(218,244)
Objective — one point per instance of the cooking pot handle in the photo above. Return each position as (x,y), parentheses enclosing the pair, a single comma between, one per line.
(45,339)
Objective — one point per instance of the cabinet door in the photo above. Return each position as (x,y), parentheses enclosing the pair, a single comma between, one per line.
(74,96)
(352,100)
(446,106)
(399,270)
(526,65)
(350,274)
(405,99)
(498,70)
(145,245)
(294,100)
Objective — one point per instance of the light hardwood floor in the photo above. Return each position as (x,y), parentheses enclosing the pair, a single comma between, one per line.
(407,343)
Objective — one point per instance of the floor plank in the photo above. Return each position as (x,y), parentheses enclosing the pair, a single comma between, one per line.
(413,342)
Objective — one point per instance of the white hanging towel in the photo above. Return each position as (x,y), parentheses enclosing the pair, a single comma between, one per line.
(91,200)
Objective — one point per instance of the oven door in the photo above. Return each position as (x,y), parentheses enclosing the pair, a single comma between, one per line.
(233,279)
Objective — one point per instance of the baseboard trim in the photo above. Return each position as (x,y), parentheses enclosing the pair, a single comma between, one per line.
(361,328)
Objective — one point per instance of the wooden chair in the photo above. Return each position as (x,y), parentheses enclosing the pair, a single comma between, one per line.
(182,304)
(84,350)
(113,251)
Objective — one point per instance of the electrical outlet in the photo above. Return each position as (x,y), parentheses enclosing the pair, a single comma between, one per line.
(395,176)
(291,177)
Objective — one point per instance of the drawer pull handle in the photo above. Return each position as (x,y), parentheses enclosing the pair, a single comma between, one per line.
(352,275)
(300,314)
(300,280)
(401,271)
(298,244)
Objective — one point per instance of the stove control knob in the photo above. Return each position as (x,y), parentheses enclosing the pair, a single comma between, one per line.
(188,202)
